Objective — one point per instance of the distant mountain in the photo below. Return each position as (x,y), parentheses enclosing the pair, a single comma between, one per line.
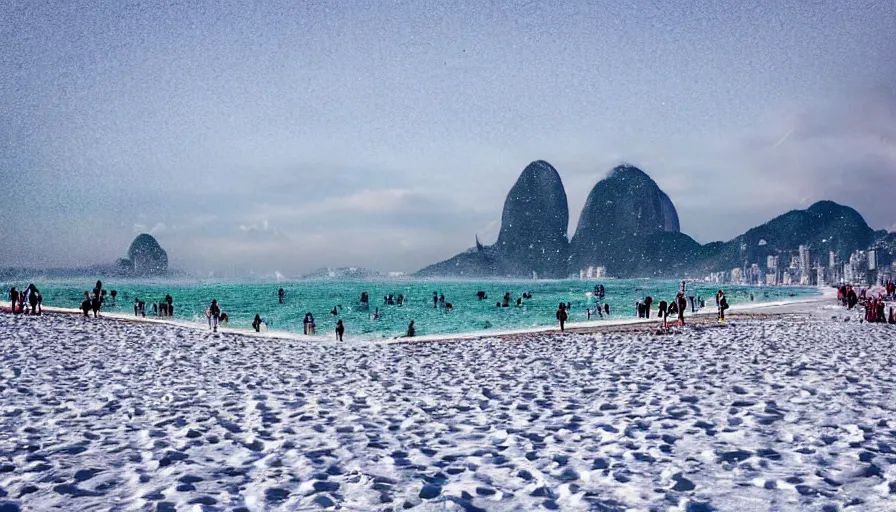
(823,227)
(532,238)
(631,227)
(627,225)
(533,225)
(146,258)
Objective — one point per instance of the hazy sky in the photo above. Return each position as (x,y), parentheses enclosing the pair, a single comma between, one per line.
(302,134)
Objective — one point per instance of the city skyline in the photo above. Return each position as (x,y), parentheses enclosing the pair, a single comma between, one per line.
(299,136)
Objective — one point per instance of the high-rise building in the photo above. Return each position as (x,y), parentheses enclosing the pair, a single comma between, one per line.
(755,274)
(855,271)
(872,260)
(805,264)
(835,269)
(737,276)
(820,277)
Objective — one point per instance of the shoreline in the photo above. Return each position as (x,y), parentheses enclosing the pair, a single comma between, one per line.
(627,324)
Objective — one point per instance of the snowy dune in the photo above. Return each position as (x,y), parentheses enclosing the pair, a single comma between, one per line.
(795,412)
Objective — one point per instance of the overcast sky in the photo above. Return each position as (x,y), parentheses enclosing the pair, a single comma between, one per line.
(385,134)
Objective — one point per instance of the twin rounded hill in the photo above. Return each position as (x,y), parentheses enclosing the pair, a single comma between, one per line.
(631,227)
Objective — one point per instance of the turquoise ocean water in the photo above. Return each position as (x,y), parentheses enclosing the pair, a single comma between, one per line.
(242,300)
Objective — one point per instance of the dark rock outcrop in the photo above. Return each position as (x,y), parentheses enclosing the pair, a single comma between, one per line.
(631,227)
(534,224)
(623,224)
(532,236)
(147,257)
(471,263)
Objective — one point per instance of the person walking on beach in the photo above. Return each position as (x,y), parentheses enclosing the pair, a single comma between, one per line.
(340,330)
(13,300)
(32,298)
(648,301)
(562,316)
(682,306)
(663,312)
(412,331)
(213,314)
(97,301)
(308,323)
(723,305)
(256,324)
(23,300)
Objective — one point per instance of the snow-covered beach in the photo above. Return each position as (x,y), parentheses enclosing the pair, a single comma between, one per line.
(790,411)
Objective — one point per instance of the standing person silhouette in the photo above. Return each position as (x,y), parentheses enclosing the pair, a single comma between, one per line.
(663,312)
(340,330)
(213,314)
(682,306)
(256,324)
(562,316)
(97,301)
(723,305)
(33,294)
(280,293)
(13,300)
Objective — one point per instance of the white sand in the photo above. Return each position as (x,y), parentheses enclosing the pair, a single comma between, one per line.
(794,412)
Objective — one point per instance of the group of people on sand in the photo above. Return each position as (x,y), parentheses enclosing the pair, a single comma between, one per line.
(875,307)
(876,311)
(676,307)
(890,287)
(29,301)
(847,296)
